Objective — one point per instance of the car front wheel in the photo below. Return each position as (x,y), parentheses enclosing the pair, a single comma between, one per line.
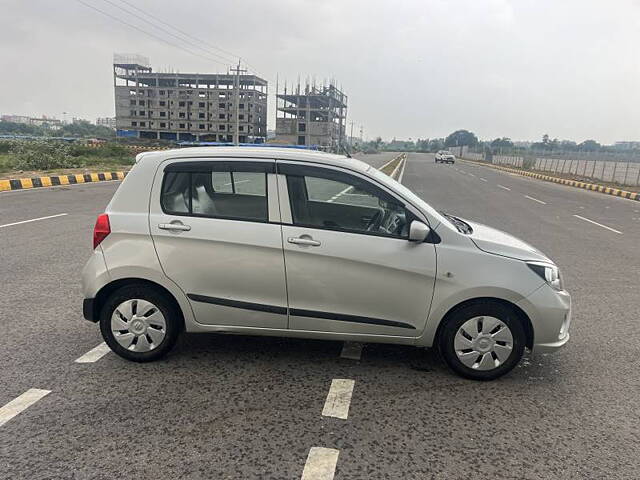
(139,323)
(482,341)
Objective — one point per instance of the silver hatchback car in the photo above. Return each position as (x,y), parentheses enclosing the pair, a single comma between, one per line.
(288,242)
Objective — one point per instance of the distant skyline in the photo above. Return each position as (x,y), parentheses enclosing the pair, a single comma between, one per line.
(412,69)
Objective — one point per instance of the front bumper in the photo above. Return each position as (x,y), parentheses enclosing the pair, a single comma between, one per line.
(550,315)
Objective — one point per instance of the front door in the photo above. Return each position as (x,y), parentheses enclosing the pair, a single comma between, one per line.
(350,266)
(215,227)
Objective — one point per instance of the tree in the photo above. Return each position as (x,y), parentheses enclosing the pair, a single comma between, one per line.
(589,146)
(503,142)
(461,138)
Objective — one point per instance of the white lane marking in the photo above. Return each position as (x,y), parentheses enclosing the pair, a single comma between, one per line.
(506,188)
(404,165)
(339,194)
(33,220)
(321,464)
(21,403)
(535,200)
(94,354)
(472,174)
(338,398)
(462,171)
(237,182)
(483,179)
(351,350)
(599,224)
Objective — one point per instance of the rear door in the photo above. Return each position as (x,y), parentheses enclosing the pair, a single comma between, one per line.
(215,226)
(350,266)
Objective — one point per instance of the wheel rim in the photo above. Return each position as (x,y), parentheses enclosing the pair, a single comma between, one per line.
(138,325)
(483,343)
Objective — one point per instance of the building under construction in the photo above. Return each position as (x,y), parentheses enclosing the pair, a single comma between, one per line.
(313,116)
(188,106)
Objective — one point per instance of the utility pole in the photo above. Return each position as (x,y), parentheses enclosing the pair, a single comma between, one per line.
(361,135)
(351,139)
(236,133)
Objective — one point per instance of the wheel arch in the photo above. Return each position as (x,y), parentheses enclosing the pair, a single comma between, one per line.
(104,293)
(522,316)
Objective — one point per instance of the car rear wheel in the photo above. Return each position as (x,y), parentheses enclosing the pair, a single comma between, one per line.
(482,341)
(139,324)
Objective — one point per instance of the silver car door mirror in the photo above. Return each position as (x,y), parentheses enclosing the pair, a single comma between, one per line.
(418,231)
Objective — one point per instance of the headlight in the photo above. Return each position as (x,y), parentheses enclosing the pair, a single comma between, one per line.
(548,272)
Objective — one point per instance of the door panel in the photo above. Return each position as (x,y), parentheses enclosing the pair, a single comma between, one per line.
(355,283)
(232,270)
(350,266)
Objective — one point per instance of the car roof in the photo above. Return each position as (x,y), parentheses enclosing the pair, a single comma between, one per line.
(255,152)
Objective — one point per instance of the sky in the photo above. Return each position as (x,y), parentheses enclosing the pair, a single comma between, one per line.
(411,69)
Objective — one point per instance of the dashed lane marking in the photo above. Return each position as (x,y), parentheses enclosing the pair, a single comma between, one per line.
(598,224)
(351,350)
(505,188)
(94,354)
(21,403)
(321,464)
(535,199)
(33,220)
(338,398)
(483,179)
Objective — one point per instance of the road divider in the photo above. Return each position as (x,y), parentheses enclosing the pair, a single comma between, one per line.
(21,403)
(393,166)
(56,180)
(616,192)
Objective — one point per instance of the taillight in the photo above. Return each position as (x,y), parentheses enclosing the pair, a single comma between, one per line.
(101,229)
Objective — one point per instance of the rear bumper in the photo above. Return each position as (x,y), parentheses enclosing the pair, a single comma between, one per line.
(88,309)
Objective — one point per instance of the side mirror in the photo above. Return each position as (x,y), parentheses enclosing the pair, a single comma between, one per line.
(418,231)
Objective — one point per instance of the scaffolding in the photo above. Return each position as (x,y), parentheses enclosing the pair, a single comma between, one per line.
(312,115)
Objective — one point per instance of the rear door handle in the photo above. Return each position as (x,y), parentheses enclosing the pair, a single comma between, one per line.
(174,226)
(304,241)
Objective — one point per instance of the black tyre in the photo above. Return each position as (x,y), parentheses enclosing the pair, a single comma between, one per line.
(482,341)
(139,323)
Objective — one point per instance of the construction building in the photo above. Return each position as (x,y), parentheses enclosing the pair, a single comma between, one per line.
(314,116)
(187,106)
(109,122)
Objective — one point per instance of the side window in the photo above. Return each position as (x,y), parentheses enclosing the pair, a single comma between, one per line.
(347,204)
(175,193)
(237,195)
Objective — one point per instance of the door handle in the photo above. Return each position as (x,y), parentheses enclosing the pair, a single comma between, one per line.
(304,241)
(174,226)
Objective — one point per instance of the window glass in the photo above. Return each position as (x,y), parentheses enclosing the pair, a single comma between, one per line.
(175,193)
(222,182)
(350,205)
(219,194)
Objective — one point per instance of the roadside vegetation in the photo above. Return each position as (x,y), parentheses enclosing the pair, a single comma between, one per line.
(18,156)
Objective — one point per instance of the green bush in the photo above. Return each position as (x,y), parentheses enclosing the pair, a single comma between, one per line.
(42,155)
(6,146)
(528,162)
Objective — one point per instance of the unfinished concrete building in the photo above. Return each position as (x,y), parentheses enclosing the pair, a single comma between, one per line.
(187,106)
(313,116)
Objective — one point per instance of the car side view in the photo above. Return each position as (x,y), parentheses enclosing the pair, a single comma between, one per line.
(298,243)
(444,156)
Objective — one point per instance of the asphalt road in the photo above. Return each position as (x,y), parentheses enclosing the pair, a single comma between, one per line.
(249,407)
